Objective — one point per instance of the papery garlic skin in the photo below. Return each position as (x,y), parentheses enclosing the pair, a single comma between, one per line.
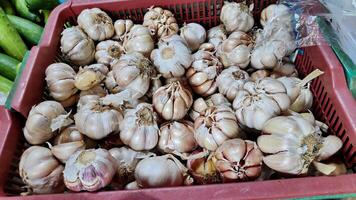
(69,141)
(40,171)
(202,168)
(90,76)
(172,57)
(89,170)
(236,17)
(139,129)
(138,39)
(126,162)
(43,120)
(277,12)
(108,51)
(294,143)
(160,22)
(194,35)
(238,160)
(110,83)
(77,47)
(122,27)
(96,120)
(96,90)
(217,124)
(260,101)
(60,83)
(133,72)
(96,23)
(216,35)
(267,56)
(172,101)
(260,74)
(177,136)
(160,171)
(203,72)
(231,80)
(284,68)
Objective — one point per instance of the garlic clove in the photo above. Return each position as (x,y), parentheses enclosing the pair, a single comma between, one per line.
(167,112)
(285,162)
(331,144)
(275,144)
(65,150)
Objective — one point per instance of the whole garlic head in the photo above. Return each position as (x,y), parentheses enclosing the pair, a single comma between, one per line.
(139,39)
(89,170)
(110,83)
(96,23)
(40,171)
(231,80)
(294,143)
(108,52)
(160,22)
(172,57)
(126,162)
(69,141)
(177,137)
(134,72)
(96,120)
(200,105)
(268,56)
(238,160)
(172,101)
(236,17)
(43,120)
(201,166)
(216,35)
(203,72)
(90,76)
(275,12)
(260,101)
(216,125)
(139,129)
(60,83)
(122,27)
(77,47)
(194,35)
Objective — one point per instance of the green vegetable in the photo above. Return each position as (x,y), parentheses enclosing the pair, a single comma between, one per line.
(24,12)
(35,5)
(8,66)
(6,5)
(27,29)
(5,85)
(45,14)
(10,40)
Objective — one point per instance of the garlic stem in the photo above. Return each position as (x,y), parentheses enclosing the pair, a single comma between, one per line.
(314,74)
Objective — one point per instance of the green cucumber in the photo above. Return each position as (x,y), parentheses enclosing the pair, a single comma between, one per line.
(5,85)
(8,66)
(6,5)
(27,29)
(10,40)
(45,15)
(36,5)
(24,12)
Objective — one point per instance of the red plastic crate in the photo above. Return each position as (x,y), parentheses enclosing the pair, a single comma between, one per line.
(333,104)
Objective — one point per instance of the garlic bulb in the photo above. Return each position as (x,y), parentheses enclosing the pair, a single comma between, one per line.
(40,171)
(299,92)
(215,125)
(122,27)
(133,72)
(43,120)
(60,83)
(161,171)
(203,72)
(172,57)
(172,101)
(194,35)
(89,76)
(76,46)
(177,137)
(139,129)
(139,40)
(96,120)
(108,51)
(260,74)
(236,16)
(96,23)
(242,37)
(217,35)
(231,80)
(284,68)
(277,12)
(96,90)
(89,170)
(200,105)
(83,100)
(268,55)
(260,101)
(155,84)
(122,100)
(160,22)
(126,162)
(111,84)
(69,141)
(202,167)
(238,160)
(294,143)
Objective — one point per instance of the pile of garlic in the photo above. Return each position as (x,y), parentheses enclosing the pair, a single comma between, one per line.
(151,105)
